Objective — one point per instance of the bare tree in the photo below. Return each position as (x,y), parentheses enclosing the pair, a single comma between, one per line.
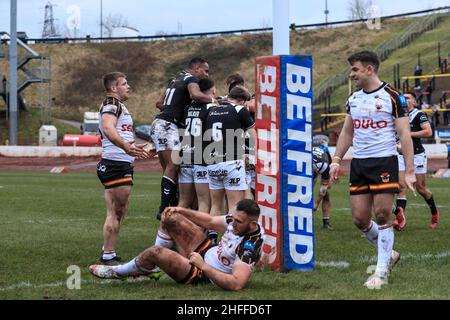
(114,21)
(358,9)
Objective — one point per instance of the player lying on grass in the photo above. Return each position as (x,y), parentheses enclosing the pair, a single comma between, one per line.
(228,265)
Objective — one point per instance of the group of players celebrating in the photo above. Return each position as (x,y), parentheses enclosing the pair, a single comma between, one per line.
(205,143)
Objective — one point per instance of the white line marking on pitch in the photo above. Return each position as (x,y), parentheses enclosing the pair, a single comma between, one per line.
(29,285)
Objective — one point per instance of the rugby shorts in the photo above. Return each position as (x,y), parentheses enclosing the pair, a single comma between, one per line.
(165,135)
(420,163)
(195,275)
(191,173)
(114,174)
(374,175)
(228,175)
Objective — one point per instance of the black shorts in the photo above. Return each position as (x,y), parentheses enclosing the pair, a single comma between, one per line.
(114,174)
(374,175)
(195,275)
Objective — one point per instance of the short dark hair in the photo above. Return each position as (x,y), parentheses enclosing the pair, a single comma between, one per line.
(195,61)
(234,80)
(365,57)
(250,207)
(110,78)
(240,93)
(411,93)
(205,84)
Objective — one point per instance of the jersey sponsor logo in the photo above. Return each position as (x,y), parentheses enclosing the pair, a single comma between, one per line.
(366,124)
(126,127)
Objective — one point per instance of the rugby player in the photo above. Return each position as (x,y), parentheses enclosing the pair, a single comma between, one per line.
(374,113)
(115,169)
(228,265)
(321,165)
(420,128)
(226,126)
(193,177)
(180,91)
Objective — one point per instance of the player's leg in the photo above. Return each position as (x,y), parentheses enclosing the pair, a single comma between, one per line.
(186,186)
(201,183)
(116,200)
(187,235)
(153,258)
(166,138)
(399,222)
(428,197)
(326,210)
(235,183)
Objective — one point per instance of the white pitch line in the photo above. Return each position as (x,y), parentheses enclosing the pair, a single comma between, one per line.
(333,264)
(29,285)
(413,256)
(40,221)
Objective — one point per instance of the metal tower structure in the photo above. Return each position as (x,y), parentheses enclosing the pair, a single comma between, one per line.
(49,22)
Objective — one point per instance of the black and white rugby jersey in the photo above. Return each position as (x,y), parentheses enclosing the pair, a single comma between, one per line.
(226,125)
(416,119)
(373,114)
(176,99)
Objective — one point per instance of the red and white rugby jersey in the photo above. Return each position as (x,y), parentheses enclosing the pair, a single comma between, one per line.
(124,127)
(373,114)
(246,248)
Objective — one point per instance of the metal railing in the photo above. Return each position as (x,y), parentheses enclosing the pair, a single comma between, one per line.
(327,86)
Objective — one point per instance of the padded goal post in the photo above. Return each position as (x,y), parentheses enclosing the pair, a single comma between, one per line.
(284,171)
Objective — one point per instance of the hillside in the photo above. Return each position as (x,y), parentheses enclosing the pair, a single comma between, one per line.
(77,68)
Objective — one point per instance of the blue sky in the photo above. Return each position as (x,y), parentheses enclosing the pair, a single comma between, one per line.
(188,16)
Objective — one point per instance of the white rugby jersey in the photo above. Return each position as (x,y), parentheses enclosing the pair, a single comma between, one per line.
(124,127)
(246,248)
(373,114)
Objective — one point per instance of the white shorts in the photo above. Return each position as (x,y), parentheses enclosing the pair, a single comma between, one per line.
(193,174)
(165,135)
(229,175)
(420,163)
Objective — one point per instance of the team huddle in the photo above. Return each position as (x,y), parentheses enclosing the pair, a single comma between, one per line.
(205,145)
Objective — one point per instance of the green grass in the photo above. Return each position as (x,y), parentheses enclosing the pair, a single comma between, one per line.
(51,221)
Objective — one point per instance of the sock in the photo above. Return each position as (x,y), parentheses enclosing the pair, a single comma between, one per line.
(108,255)
(168,193)
(400,202)
(132,268)
(163,240)
(431,204)
(385,244)
(326,220)
(371,233)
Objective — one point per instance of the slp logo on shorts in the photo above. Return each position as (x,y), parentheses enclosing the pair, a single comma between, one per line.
(101,168)
(234,181)
(201,174)
(385,177)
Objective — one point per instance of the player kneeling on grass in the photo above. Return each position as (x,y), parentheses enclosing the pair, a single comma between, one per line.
(229,265)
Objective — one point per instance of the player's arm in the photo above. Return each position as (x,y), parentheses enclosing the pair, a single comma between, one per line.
(426,131)
(197,95)
(403,129)
(235,281)
(343,144)
(202,219)
(109,122)
(160,103)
